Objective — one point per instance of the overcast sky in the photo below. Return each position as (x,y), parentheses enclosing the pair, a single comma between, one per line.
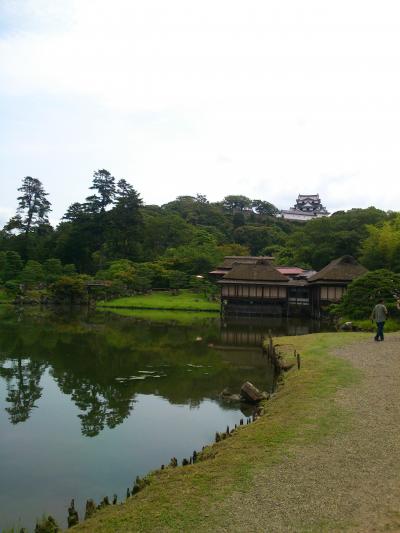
(266,98)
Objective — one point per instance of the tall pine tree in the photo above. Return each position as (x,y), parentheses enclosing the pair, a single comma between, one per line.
(33,207)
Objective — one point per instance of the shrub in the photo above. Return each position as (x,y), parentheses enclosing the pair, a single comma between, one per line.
(364,292)
(69,289)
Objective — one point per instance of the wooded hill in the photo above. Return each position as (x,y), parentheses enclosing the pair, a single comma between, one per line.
(112,233)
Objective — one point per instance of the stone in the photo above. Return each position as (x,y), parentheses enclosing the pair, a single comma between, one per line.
(347,326)
(250,393)
(286,365)
(229,397)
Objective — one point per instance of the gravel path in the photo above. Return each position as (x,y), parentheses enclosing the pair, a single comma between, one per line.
(348,482)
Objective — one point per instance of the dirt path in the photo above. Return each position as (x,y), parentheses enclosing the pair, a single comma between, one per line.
(348,482)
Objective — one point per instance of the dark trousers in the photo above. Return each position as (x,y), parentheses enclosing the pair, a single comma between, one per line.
(379,331)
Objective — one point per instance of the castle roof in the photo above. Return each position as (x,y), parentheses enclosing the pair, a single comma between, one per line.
(304,196)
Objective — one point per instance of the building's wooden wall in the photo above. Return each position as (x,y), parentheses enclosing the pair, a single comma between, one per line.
(254,292)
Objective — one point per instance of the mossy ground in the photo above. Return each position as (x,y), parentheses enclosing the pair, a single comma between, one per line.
(302,412)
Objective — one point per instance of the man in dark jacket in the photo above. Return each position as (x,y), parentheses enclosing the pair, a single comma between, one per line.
(379,315)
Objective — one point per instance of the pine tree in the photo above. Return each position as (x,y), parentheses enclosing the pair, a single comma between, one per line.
(33,206)
(104,184)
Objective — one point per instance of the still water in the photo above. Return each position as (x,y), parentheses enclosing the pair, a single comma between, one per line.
(90,400)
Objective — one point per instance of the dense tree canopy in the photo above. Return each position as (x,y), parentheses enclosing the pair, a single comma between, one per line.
(365,292)
(112,235)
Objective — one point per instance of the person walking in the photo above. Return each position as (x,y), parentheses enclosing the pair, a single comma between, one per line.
(379,315)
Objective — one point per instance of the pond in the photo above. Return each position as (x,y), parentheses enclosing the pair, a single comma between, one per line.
(88,401)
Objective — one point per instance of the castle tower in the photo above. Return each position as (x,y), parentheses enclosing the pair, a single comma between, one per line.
(307,207)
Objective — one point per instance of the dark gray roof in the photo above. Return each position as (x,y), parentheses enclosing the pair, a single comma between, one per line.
(263,270)
(246,259)
(345,268)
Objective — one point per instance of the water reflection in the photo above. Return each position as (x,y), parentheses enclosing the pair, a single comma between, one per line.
(103,361)
(250,331)
(85,397)
(22,378)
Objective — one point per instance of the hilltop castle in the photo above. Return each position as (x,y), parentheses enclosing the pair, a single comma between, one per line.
(307,207)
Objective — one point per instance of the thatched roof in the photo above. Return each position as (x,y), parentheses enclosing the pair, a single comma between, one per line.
(260,271)
(344,268)
(245,259)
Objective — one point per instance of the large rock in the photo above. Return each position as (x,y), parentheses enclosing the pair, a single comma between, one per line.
(347,326)
(229,397)
(250,393)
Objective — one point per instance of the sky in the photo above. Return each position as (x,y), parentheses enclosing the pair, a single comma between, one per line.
(266,98)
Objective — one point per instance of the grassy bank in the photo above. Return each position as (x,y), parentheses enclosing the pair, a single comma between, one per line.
(184,301)
(163,315)
(302,412)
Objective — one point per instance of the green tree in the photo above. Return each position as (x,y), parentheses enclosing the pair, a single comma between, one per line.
(76,212)
(162,230)
(3,261)
(32,274)
(104,183)
(238,219)
(69,270)
(233,249)
(236,202)
(364,292)
(259,238)
(53,270)
(381,248)
(125,223)
(197,257)
(12,266)
(264,208)
(317,242)
(69,289)
(177,279)
(33,206)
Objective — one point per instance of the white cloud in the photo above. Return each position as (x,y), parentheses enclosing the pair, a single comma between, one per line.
(297,96)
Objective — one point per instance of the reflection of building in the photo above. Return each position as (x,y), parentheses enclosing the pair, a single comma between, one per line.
(260,288)
(307,207)
(248,332)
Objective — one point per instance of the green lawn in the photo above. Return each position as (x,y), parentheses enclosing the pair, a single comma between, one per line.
(189,498)
(184,301)
(163,315)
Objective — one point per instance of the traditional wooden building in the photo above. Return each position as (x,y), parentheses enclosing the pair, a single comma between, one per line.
(254,288)
(259,288)
(329,284)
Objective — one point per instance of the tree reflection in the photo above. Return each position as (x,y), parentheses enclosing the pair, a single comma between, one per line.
(102,405)
(23,387)
(103,362)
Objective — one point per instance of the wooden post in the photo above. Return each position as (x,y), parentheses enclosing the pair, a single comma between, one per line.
(73,518)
